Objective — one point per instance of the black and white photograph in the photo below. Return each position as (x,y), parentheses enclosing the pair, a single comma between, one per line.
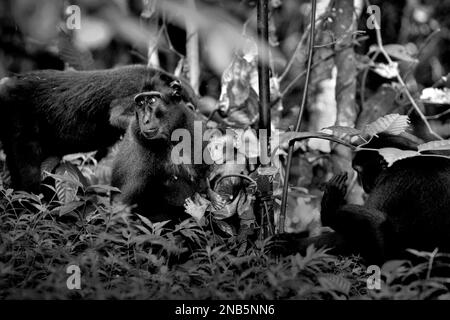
(217,158)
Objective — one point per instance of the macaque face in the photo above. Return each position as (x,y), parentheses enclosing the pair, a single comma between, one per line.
(159,113)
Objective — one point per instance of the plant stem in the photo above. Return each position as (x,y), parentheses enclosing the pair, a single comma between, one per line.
(192,50)
(282,217)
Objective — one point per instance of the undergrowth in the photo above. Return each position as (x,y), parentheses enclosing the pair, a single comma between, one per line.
(125,256)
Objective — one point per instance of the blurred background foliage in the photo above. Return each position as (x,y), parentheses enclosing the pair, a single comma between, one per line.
(118,32)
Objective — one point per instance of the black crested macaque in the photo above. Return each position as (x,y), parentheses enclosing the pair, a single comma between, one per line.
(51,113)
(143,169)
(408,206)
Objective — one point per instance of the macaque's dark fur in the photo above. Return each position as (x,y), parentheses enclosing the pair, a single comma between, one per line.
(52,113)
(408,206)
(143,169)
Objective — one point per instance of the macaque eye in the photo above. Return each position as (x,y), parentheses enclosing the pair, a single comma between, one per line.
(148,98)
(151,100)
(190,106)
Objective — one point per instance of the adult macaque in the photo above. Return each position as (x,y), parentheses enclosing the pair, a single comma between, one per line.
(143,169)
(408,206)
(51,113)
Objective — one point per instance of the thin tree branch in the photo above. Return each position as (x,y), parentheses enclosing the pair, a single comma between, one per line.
(282,217)
(400,79)
(192,50)
(293,57)
(301,74)
(297,49)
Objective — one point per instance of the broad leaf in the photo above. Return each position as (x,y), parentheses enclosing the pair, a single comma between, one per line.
(267,171)
(247,143)
(434,145)
(101,187)
(391,123)
(238,99)
(68,179)
(225,227)
(401,52)
(335,282)
(341,130)
(391,155)
(388,71)
(146,221)
(48,166)
(291,136)
(392,265)
(69,207)
(437,96)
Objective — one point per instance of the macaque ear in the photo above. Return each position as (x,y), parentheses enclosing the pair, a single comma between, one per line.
(176,88)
